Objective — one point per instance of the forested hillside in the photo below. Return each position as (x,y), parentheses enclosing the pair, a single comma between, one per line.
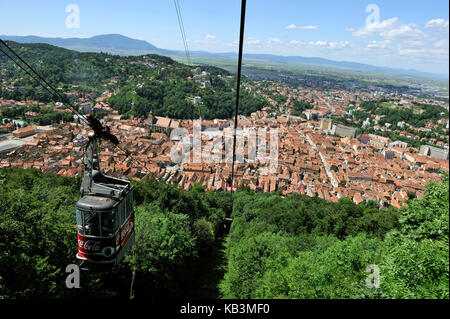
(302,247)
(175,239)
(293,247)
(139,83)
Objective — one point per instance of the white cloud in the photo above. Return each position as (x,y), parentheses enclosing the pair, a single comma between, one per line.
(404,32)
(438,53)
(301,27)
(375,28)
(274,41)
(392,44)
(296,42)
(209,39)
(390,29)
(438,24)
(252,41)
(442,44)
(406,44)
(330,44)
(378,44)
(412,52)
(412,44)
(291,27)
(340,44)
(318,42)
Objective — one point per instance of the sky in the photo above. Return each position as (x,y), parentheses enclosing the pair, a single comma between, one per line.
(407,34)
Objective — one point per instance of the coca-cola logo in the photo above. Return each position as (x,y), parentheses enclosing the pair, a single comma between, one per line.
(90,245)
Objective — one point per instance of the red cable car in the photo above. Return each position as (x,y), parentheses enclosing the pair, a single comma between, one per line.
(105,215)
(105,228)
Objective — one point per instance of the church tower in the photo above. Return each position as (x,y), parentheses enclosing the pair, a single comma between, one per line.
(150,121)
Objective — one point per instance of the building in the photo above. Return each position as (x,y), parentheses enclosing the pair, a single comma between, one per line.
(344,131)
(398,144)
(311,115)
(174,124)
(433,152)
(379,141)
(150,121)
(10,145)
(364,139)
(366,122)
(6,128)
(86,107)
(24,131)
(164,124)
(388,154)
(326,124)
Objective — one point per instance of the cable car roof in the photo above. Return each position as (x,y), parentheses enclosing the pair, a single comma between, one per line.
(96,203)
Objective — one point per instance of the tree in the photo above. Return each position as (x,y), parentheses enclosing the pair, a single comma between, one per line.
(247,263)
(204,234)
(330,269)
(417,261)
(159,257)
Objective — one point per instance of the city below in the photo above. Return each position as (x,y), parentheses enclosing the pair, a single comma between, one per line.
(317,154)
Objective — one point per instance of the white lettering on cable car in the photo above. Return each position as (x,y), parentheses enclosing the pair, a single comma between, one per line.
(90,245)
(124,234)
(126,229)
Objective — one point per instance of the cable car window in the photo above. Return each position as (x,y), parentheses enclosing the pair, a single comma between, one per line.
(119,218)
(123,212)
(129,204)
(108,221)
(120,214)
(91,223)
(116,219)
(131,200)
(80,227)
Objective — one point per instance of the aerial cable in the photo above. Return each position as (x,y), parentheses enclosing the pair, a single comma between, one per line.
(183,34)
(238,85)
(34,77)
(54,93)
(47,86)
(186,49)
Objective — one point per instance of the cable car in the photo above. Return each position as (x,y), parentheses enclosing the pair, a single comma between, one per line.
(104,214)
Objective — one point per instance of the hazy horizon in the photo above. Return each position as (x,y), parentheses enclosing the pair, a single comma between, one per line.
(380,33)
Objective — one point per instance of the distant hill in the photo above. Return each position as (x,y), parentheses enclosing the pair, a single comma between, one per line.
(114,43)
(65,67)
(341,64)
(119,44)
(147,82)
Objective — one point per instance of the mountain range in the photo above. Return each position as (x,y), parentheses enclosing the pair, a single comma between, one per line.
(119,44)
